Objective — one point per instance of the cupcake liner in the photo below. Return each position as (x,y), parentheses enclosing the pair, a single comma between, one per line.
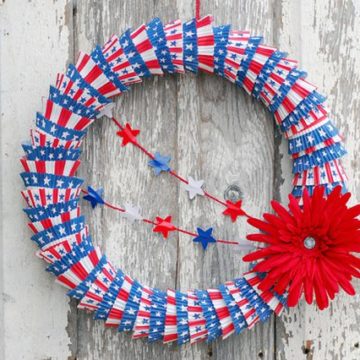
(237,316)
(98,57)
(250,50)
(157,315)
(133,55)
(63,246)
(50,153)
(298,190)
(226,324)
(131,308)
(312,118)
(46,237)
(170,330)
(144,48)
(67,261)
(262,55)
(118,62)
(265,72)
(53,210)
(32,179)
(93,75)
(197,322)
(44,197)
(57,131)
(79,271)
(41,225)
(98,288)
(76,87)
(156,34)
(83,287)
(174,42)
(255,301)
(276,79)
(182,322)
(213,326)
(267,296)
(221,37)
(243,303)
(109,297)
(40,138)
(117,310)
(328,173)
(142,322)
(205,43)
(319,157)
(190,51)
(55,167)
(312,137)
(65,102)
(322,145)
(295,106)
(235,52)
(293,76)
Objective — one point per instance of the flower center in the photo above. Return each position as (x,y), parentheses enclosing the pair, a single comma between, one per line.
(309,242)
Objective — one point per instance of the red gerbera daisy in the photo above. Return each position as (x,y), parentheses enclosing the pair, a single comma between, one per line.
(310,249)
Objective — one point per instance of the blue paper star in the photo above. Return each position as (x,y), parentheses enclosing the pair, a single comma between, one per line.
(204,237)
(94,197)
(160,163)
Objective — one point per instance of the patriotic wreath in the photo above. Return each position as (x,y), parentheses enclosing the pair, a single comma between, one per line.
(305,249)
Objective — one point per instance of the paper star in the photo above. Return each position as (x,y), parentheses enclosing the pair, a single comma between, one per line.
(194,187)
(106,111)
(160,163)
(233,210)
(164,226)
(128,134)
(132,213)
(204,237)
(94,197)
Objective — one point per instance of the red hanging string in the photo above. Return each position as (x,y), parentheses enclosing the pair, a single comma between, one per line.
(197,9)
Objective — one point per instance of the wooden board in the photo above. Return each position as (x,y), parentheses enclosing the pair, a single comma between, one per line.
(211,129)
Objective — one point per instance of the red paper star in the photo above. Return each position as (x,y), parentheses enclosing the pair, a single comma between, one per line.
(128,134)
(233,210)
(311,250)
(164,226)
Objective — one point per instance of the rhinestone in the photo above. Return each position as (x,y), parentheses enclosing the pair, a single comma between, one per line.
(309,243)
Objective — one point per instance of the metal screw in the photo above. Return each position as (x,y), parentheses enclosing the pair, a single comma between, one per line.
(233,193)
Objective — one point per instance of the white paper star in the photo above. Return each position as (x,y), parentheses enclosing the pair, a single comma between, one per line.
(194,187)
(132,213)
(106,111)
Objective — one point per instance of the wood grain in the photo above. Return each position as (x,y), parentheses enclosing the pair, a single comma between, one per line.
(212,130)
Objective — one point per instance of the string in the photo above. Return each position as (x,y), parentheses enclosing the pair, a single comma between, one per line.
(197,9)
(148,221)
(172,172)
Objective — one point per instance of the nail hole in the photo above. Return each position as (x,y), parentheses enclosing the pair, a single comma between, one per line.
(356,345)
(233,193)
(260,354)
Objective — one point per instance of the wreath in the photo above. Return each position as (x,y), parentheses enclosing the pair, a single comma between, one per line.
(306,249)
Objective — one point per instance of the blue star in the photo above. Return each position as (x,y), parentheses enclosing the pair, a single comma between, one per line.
(204,237)
(94,197)
(160,163)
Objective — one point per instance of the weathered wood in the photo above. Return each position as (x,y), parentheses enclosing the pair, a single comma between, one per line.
(212,130)
(324,36)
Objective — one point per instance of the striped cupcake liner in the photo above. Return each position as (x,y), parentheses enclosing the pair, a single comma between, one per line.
(57,131)
(174,41)
(142,321)
(191,62)
(41,138)
(57,167)
(221,36)
(182,322)
(36,180)
(47,153)
(155,31)
(157,315)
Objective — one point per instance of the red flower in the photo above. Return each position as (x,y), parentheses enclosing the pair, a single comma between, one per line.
(310,248)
